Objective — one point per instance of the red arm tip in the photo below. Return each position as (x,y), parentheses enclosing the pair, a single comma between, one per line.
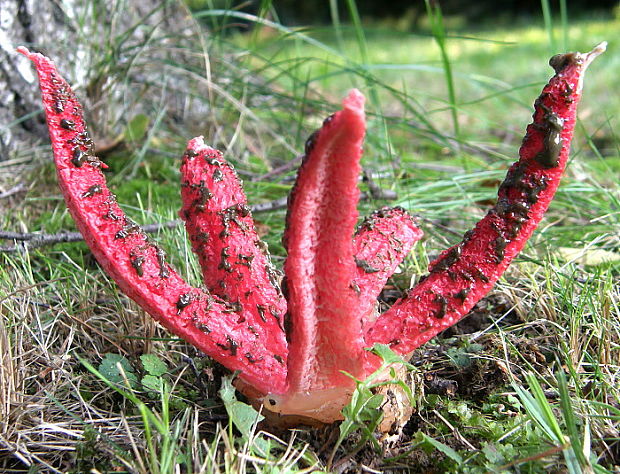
(23,50)
(354,101)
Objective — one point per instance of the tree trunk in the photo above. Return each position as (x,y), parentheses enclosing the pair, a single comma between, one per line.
(24,22)
(80,37)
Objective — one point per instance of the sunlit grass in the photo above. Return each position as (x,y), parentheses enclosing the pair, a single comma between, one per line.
(497,70)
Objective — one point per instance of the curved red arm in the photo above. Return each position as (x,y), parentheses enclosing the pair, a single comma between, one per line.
(136,264)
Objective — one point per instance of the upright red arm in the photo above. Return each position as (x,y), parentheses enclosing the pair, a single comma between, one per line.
(466,272)
(326,332)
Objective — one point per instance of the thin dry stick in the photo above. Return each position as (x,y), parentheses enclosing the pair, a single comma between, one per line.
(33,240)
(375,190)
(14,190)
(288,166)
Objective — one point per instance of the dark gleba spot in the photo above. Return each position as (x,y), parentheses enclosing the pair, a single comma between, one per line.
(462,294)
(499,245)
(310,143)
(243,210)
(94,189)
(450,258)
(79,157)
(67,124)
(231,345)
(443,305)
(481,276)
(226,266)
(137,263)
(59,106)
(130,227)
(549,156)
(364,265)
(218,175)
(203,327)
(261,312)
(161,261)
(184,301)
(560,61)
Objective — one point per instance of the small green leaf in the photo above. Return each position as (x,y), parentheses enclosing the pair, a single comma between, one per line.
(445,449)
(375,401)
(153,365)
(113,366)
(152,383)
(243,416)
(492,454)
(460,357)
(387,354)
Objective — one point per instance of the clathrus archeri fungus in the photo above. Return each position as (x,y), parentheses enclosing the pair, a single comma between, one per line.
(292,345)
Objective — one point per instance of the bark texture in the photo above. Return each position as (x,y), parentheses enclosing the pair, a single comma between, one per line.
(27,22)
(86,41)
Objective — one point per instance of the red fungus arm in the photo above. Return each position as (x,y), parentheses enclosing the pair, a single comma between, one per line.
(234,261)
(466,272)
(136,264)
(381,243)
(326,335)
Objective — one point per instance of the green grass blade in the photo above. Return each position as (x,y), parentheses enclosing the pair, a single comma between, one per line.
(548,19)
(565,25)
(439,33)
(335,16)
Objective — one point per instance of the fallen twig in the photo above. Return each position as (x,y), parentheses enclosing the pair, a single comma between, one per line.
(14,190)
(33,240)
(286,167)
(375,190)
